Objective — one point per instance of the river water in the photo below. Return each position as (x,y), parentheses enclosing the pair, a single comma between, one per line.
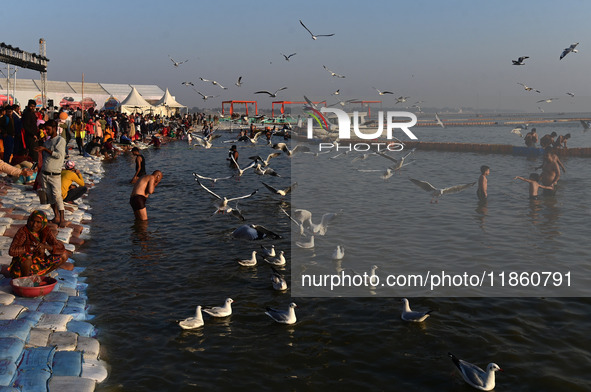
(144,278)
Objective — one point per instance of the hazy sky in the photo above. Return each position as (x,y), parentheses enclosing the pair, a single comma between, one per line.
(447,53)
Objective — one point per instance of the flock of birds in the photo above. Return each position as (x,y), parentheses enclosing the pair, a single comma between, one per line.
(308,229)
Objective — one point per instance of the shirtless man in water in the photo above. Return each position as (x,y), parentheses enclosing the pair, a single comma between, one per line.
(550,171)
(143,188)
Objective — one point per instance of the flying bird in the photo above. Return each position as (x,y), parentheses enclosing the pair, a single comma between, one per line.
(438,192)
(288,57)
(283,147)
(272,95)
(337,92)
(214,83)
(314,37)
(212,179)
(222,203)
(570,94)
(569,49)
(382,92)
(519,61)
(205,97)
(334,74)
(281,192)
(547,100)
(188,84)
(439,120)
(475,376)
(526,88)
(176,63)
(401,99)
(265,162)
(239,82)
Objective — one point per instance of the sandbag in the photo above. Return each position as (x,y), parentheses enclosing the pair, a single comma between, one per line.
(38,337)
(56,296)
(7,371)
(31,315)
(71,384)
(63,341)
(11,348)
(19,328)
(51,307)
(29,303)
(89,347)
(10,312)
(6,299)
(76,313)
(35,358)
(32,380)
(67,363)
(95,370)
(82,328)
(55,322)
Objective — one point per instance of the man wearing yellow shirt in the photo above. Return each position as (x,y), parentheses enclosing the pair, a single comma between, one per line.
(69,176)
(80,133)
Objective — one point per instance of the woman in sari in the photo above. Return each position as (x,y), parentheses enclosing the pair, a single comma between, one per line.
(30,246)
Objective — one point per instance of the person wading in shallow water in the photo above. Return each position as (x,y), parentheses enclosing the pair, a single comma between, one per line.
(144,187)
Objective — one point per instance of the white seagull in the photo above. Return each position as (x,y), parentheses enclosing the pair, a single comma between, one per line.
(265,171)
(314,37)
(214,83)
(569,49)
(570,94)
(288,57)
(272,95)
(475,376)
(333,74)
(281,192)
(249,262)
(237,167)
(206,141)
(214,180)
(399,163)
(438,192)
(382,92)
(439,120)
(176,63)
(338,253)
(305,217)
(188,84)
(409,315)
(283,316)
(264,162)
(268,252)
(547,100)
(306,245)
(220,311)
(336,92)
(193,322)
(239,82)
(300,225)
(283,147)
(278,280)
(205,97)
(519,61)
(279,260)
(222,204)
(529,88)
(401,99)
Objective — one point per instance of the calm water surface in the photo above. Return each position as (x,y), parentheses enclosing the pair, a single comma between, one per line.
(142,279)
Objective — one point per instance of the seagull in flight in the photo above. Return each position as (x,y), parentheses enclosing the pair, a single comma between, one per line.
(409,315)
(288,57)
(214,180)
(176,63)
(439,120)
(438,192)
(265,162)
(314,37)
(222,203)
(239,82)
(547,100)
(271,95)
(382,92)
(188,84)
(205,97)
(241,171)
(570,94)
(336,92)
(334,74)
(206,141)
(398,163)
(527,88)
(569,49)
(520,60)
(283,147)
(475,376)
(401,99)
(283,316)
(281,192)
(214,83)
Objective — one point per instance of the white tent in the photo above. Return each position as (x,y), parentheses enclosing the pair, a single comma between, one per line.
(135,103)
(168,105)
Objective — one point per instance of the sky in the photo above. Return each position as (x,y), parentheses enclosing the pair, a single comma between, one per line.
(446,53)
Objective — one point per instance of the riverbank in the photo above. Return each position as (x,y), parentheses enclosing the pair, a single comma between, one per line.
(47,341)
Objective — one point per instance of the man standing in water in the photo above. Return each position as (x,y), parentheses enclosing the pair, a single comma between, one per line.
(140,165)
(143,188)
(550,171)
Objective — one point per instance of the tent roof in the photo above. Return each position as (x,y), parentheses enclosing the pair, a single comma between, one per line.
(168,100)
(135,99)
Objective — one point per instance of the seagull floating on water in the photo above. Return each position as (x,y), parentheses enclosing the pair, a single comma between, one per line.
(221,311)
(278,280)
(279,260)
(475,376)
(568,50)
(438,192)
(333,74)
(249,262)
(409,315)
(520,60)
(338,253)
(268,252)
(314,37)
(193,322)
(283,316)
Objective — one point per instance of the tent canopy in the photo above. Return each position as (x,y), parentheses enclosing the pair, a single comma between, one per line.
(134,103)
(169,101)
